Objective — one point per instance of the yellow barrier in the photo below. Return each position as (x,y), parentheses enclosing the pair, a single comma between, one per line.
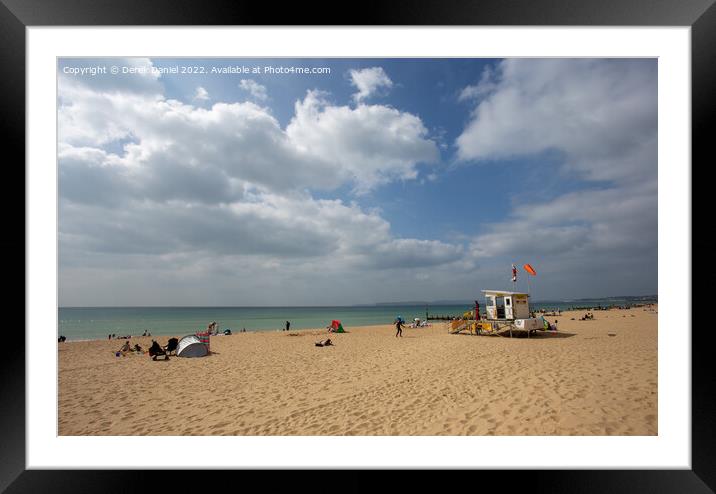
(473,327)
(485,326)
(456,323)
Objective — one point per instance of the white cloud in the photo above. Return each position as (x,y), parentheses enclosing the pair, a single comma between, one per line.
(370,145)
(291,233)
(412,253)
(482,88)
(157,187)
(601,113)
(201,94)
(221,202)
(323,147)
(369,82)
(595,241)
(256,90)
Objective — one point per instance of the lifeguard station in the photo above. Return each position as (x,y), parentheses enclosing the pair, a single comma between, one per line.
(505,311)
(506,305)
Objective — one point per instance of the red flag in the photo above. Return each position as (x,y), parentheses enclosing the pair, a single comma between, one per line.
(514,273)
(530,269)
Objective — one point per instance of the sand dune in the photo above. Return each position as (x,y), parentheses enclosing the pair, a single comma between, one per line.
(580,381)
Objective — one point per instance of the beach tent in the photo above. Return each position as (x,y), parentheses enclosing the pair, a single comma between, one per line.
(337,326)
(192,346)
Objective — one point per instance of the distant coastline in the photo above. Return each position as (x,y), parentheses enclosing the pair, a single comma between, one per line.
(634,298)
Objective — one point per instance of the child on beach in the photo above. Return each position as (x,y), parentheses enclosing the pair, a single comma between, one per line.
(399,327)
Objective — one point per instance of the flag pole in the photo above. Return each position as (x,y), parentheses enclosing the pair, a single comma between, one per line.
(530,272)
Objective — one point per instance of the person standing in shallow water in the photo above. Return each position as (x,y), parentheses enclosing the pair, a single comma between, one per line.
(399,327)
(288,325)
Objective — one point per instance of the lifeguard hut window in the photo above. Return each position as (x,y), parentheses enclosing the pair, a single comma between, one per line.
(500,303)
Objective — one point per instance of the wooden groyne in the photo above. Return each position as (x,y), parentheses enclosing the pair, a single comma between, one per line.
(443,318)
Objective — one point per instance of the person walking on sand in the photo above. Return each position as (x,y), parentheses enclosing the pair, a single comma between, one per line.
(399,327)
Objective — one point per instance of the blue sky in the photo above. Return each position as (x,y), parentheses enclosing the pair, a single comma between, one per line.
(383,180)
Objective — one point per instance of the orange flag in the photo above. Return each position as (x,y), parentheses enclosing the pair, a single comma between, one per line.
(530,269)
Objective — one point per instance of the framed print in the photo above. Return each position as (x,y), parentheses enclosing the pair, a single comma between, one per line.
(453,237)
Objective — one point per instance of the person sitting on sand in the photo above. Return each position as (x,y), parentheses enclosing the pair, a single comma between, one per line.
(156,350)
(137,348)
(125,348)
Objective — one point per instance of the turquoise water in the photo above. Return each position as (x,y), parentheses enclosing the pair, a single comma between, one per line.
(89,323)
(98,322)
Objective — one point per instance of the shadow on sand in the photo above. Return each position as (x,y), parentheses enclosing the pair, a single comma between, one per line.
(541,335)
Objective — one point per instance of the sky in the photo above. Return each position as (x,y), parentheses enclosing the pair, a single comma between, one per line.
(245,182)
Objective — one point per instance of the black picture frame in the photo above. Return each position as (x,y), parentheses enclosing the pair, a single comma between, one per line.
(16,15)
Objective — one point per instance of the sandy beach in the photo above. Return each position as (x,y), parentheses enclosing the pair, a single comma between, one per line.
(578,381)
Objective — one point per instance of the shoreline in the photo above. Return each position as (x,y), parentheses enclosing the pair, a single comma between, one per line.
(547,312)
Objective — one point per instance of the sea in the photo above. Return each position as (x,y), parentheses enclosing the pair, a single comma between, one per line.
(92,323)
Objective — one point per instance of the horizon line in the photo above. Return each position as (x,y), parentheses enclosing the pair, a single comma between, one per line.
(374,304)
